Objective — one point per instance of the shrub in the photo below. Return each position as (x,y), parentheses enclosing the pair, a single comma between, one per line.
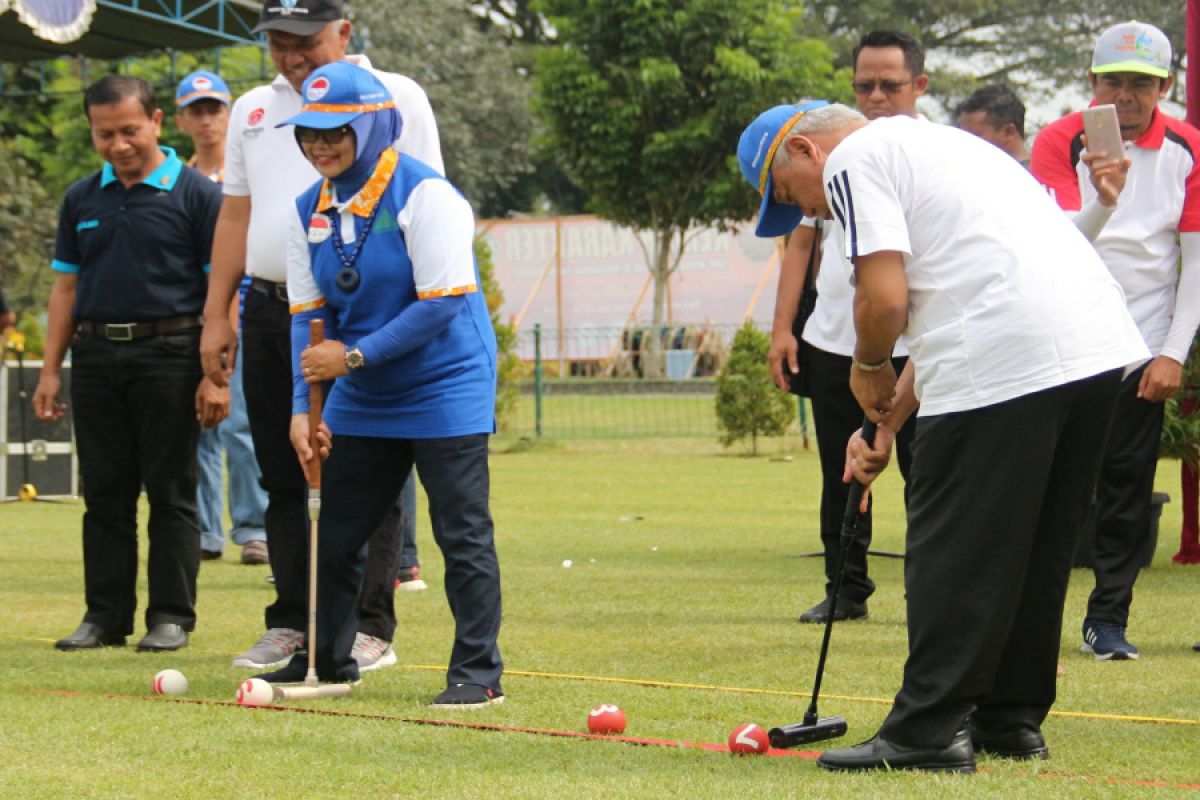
(748,403)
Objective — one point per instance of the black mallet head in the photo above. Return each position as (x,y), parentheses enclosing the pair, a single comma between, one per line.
(799,733)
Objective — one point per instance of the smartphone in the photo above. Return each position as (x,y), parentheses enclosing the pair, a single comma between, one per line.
(1103,132)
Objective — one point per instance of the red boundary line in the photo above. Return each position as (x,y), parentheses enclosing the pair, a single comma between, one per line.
(632,740)
(443,723)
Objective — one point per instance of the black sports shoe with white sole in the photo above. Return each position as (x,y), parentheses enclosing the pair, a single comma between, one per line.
(467,695)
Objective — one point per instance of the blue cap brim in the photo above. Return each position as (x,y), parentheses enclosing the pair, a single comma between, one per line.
(776,219)
(321,119)
(221,98)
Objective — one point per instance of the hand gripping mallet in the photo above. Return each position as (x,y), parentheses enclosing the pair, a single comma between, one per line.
(813,728)
(313,687)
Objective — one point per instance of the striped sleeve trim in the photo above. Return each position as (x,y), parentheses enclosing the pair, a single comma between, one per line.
(300,308)
(452,292)
(842,203)
(63,266)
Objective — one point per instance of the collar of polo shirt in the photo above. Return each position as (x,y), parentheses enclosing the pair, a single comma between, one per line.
(163,178)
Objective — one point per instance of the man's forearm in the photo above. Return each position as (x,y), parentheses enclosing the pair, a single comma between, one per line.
(793,268)
(60,323)
(228,256)
(880,305)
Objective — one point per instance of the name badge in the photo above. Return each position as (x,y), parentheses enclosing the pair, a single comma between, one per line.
(319,229)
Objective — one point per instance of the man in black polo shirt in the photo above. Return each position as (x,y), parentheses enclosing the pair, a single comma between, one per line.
(131,260)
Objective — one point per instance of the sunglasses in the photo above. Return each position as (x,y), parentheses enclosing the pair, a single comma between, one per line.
(326,135)
(888,87)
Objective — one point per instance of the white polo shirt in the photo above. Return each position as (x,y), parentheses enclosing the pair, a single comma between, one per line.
(265,163)
(831,325)
(1006,296)
(1140,243)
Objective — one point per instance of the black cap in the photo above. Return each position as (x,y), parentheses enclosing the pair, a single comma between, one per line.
(299,17)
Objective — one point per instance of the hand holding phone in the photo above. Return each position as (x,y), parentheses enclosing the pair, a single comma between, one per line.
(1103,132)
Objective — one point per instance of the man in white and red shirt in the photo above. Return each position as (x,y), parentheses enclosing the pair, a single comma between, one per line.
(1155,223)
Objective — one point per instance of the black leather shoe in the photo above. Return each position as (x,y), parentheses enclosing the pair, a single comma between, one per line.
(846,609)
(1020,743)
(89,637)
(163,636)
(958,756)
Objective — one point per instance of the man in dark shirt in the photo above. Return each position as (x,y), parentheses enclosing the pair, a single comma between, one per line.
(131,259)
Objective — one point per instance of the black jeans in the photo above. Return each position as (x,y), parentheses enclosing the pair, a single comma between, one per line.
(999,495)
(360,482)
(135,425)
(267,383)
(837,415)
(1123,502)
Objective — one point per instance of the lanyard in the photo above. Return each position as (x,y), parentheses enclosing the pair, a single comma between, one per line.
(348,277)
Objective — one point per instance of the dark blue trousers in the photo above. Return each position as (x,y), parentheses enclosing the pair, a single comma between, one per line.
(360,483)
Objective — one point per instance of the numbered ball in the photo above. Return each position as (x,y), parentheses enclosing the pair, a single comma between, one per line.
(255,692)
(748,739)
(170,681)
(606,718)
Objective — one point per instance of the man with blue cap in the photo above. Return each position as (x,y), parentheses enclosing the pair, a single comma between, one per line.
(1151,245)
(202,102)
(1017,338)
(381,250)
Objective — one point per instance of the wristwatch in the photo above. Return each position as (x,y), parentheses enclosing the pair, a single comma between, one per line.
(354,359)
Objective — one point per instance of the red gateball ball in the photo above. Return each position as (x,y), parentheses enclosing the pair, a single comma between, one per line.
(606,718)
(749,739)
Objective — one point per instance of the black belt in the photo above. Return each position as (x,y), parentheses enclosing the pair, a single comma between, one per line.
(270,289)
(128,331)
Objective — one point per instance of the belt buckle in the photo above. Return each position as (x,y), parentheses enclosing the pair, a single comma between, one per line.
(281,292)
(119,332)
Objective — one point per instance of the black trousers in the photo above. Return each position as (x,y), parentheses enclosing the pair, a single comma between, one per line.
(837,416)
(1123,504)
(998,496)
(267,383)
(135,424)
(360,482)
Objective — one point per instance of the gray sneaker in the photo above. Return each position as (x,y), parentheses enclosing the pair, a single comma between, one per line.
(274,649)
(372,653)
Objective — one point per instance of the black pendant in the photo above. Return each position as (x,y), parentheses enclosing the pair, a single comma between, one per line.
(347,279)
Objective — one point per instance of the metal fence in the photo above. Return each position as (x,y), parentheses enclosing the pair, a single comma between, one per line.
(597,383)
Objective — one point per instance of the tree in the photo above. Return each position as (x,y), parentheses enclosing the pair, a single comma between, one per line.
(748,404)
(27,216)
(645,102)
(479,95)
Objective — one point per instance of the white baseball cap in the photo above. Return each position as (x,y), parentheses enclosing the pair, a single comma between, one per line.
(1133,47)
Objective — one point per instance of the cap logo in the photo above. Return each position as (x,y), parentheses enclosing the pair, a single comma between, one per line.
(317,89)
(256,116)
(202,83)
(1140,45)
(285,8)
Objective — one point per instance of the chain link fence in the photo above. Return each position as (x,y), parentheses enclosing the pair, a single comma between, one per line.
(611,383)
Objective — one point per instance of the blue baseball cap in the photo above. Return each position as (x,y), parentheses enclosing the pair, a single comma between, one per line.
(202,85)
(338,93)
(756,152)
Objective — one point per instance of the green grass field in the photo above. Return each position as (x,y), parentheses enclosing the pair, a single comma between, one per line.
(686,571)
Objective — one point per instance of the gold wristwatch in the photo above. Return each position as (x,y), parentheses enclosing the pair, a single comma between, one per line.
(354,359)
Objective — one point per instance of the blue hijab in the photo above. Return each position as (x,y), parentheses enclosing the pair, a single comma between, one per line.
(374,132)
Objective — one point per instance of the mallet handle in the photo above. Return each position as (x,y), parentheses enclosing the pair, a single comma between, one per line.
(316,400)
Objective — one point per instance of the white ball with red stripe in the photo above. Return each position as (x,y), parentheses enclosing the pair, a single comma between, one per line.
(170,681)
(606,718)
(255,692)
(749,739)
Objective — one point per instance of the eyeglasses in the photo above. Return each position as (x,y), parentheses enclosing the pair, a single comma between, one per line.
(326,135)
(888,87)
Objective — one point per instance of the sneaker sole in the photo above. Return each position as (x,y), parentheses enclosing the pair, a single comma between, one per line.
(245,663)
(495,701)
(388,659)
(412,586)
(1116,655)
